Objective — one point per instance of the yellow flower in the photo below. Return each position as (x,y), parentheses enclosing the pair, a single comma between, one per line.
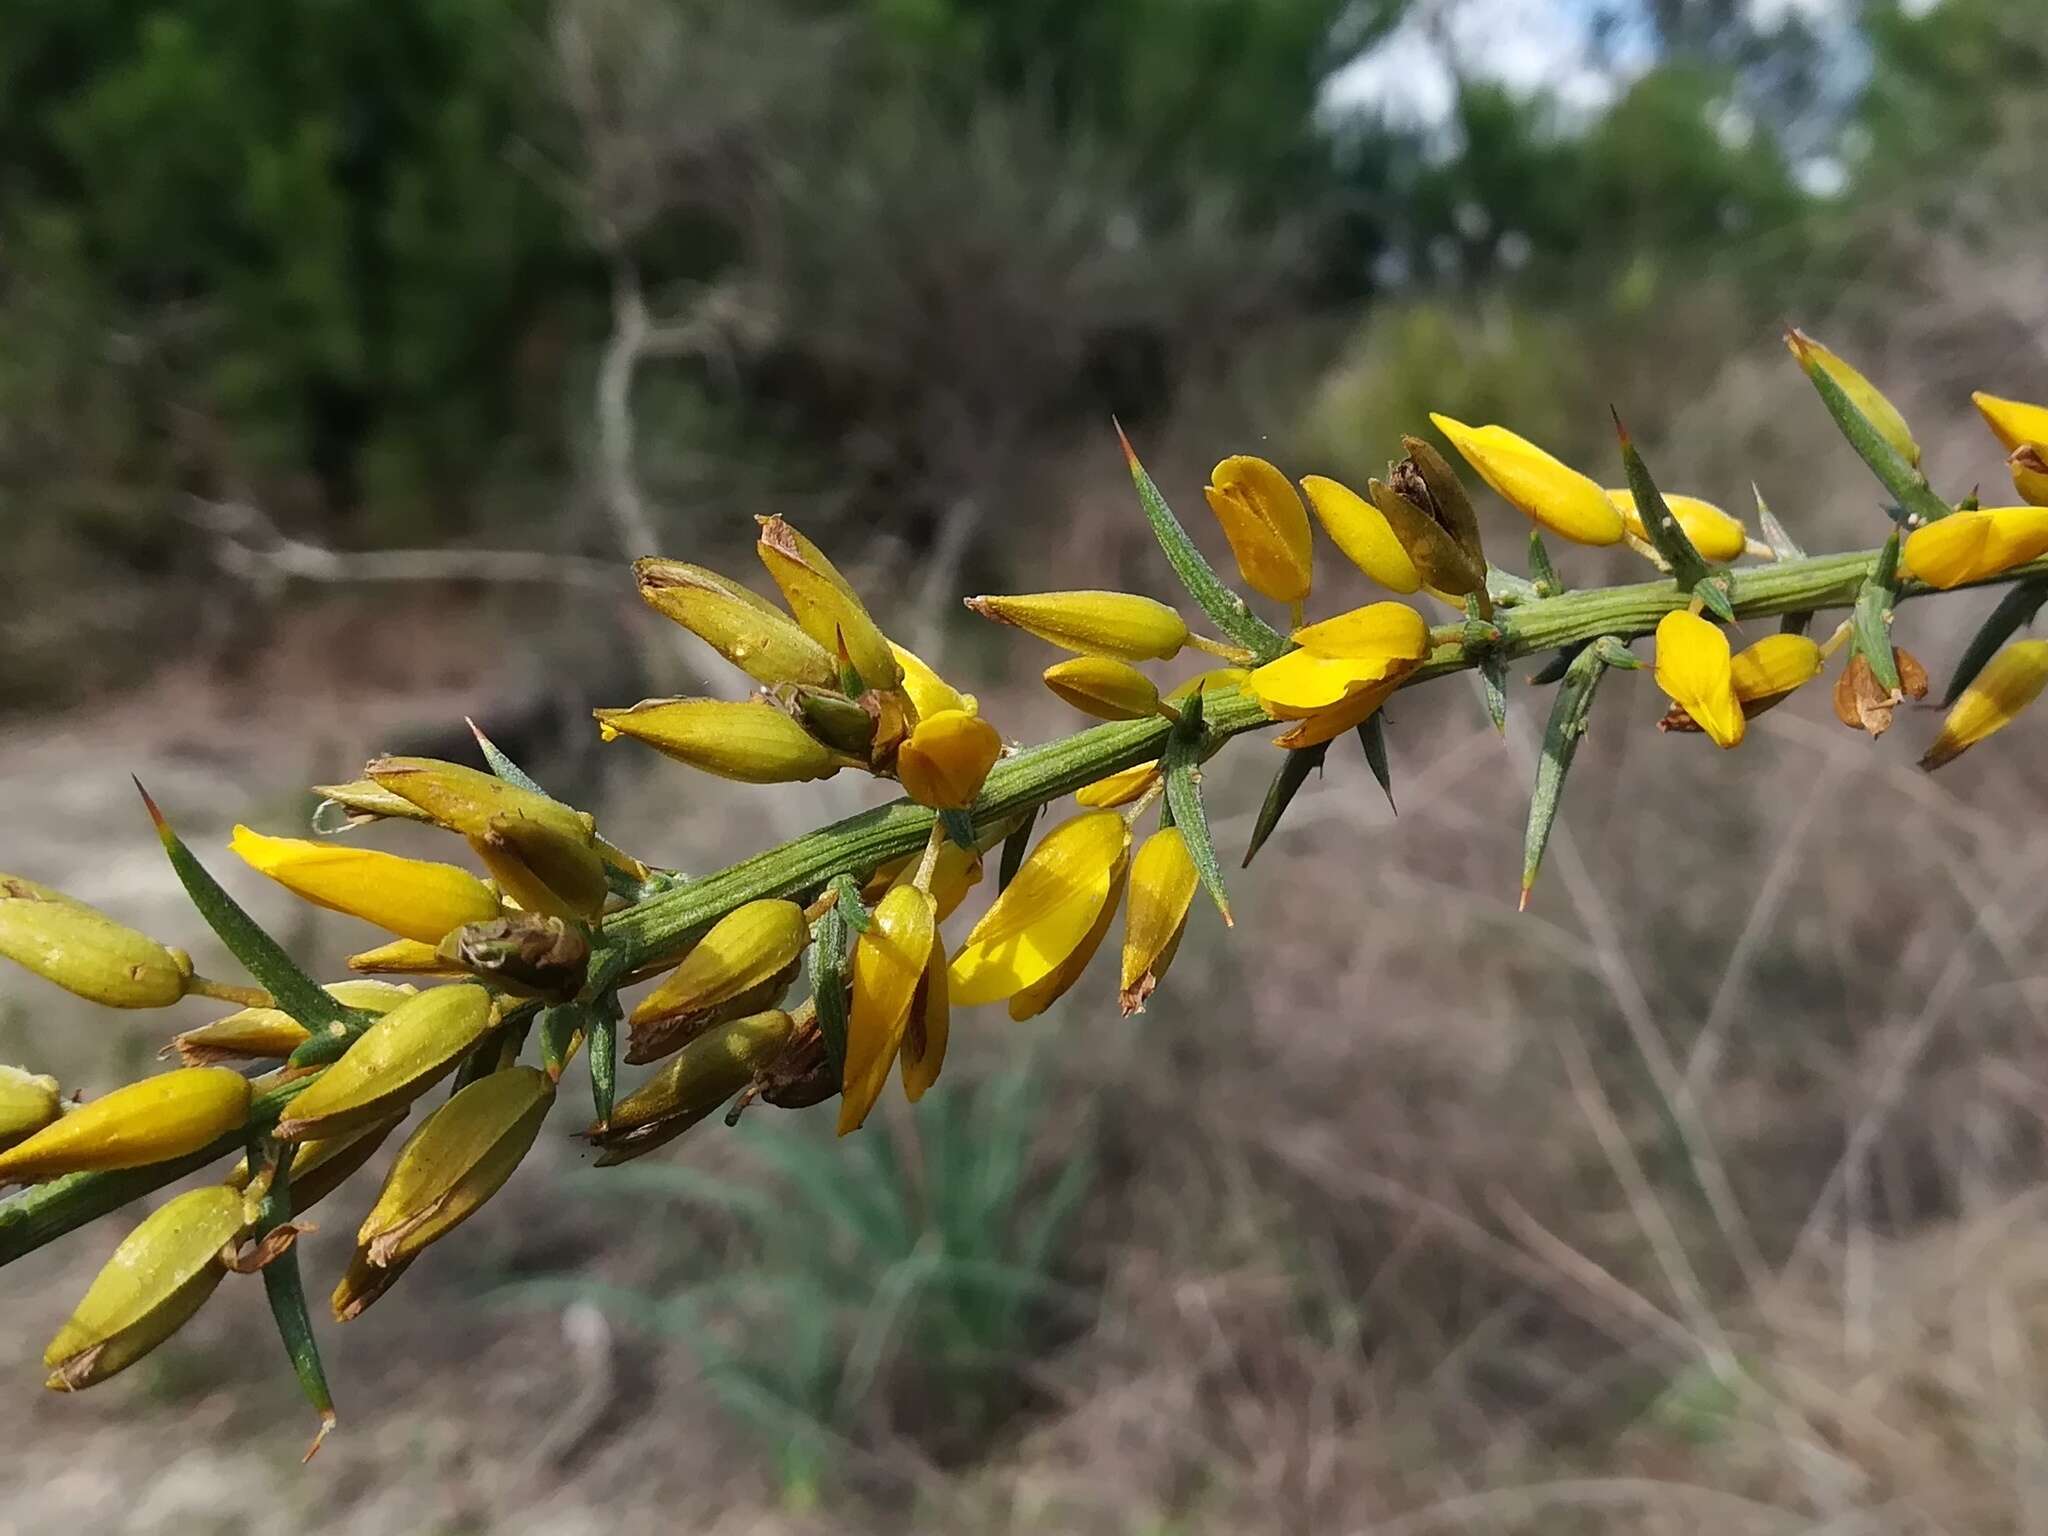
(28,1102)
(743,965)
(2029,466)
(1106,689)
(393,1062)
(924,1037)
(745,740)
(889,963)
(1033,1000)
(1266,525)
(825,604)
(1864,395)
(948,755)
(1163,882)
(160,1275)
(1048,909)
(1695,669)
(704,1075)
(84,951)
(1350,712)
(152,1121)
(412,898)
(1545,490)
(1715,534)
(264,1034)
(929,692)
(1341,657)
(1362,532)
(2010,681)
(744,628)
(955,872)
(1121,625)
(1971,546)
(1119,788)
(1769,671)
(2014,421)
(461,1155)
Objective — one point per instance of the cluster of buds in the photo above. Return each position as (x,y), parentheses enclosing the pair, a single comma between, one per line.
(819,970)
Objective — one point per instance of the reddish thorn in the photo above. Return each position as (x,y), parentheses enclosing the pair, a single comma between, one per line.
(156,816)
(1620,431)
(1523,904)
(1130,453)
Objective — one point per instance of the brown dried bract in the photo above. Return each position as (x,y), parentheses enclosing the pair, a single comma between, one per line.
(1862,705)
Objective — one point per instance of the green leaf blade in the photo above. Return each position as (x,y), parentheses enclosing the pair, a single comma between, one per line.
(1182,763)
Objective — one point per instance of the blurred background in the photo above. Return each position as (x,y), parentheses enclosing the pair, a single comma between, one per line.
(348,352)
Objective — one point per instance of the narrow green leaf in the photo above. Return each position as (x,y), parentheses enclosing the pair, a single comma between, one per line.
(500,764)
(559,1028)
(1568,717)
(1226,610)
(286,1291)
(1872,622)
(604,1057)
(829,978)
(2015,611)
(323,1046)
(483,1059)
(851,908)
(1182,763)
(1015,846)
(959,827)
(1493,672)
(1560,661)
(1372,735)
(1295,767)
(1906,483)
(275,971)
(1688,569)
(1540,569)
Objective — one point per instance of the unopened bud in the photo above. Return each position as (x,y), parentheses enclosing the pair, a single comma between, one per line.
(86,952)
(1162,889)
(743,965)
(412,898)
(2014,421)
(1106,689)
(839,722)
(523,953)
(28,1102)
(2029,466)
(1712,532)
(1121,625)
(2010,681)
(1362,532)
(747,740)
(1543,488)
(1882,415)
(153,1121)
(405,957)
(361,800)
(1974,546)
(1263,518)
(160,1275)
(747,630)
(946,759)
(265,1034)
(393,1062)
(704,1075)
(825,605)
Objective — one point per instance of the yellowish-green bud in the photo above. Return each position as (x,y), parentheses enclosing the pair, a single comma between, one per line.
(393,1062)
(1715,534)
(1864,395)
(153,1121)
(1120,625)
(323,1165)
(946,759)
(86,952)
(745,629)
(413,898)
(160,1275)
(825,605)
(28,1102)
(266,1034)
(1162,889)
(747,740)
(1106,689)
(704,1075)
(461,1155)
(743,965)
(2010,681)
(360,801)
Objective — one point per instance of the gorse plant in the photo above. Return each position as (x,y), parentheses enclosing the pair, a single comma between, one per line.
(534,960)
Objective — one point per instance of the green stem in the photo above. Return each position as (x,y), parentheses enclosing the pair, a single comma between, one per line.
(665,924)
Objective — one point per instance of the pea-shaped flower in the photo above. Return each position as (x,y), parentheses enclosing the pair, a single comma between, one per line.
(1266,524)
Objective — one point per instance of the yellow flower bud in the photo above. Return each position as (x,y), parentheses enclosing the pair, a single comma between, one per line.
(743,965)
(2014,421)
(747,630)
(393,1062)
(160,1275)
(1106,689)
(1362,532)
(1163,883)
(748,741)
(2010,681)
(405,957)
(1547,491)
(925,1036)
(1864,395)
(1048,909)
(28,1102)
(1971,546)
(1119,788)
(704,1075)
(1264,521)
(2029,467)
(946,759)
(822,602)
(1033,1000)
(1120,625)
(412,898)
(1715,534)
(250,1034)
(889,962)
(929,692)
(542,854)
(153,1121)
(84,951)
(1694,668)
(461,1155)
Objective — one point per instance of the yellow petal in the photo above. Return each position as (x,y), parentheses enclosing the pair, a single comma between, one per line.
(1362,532)
(1772,668)
(1215,680)
(1119,788)
(1301,683)
(1971,546)
(1378,631)
(955,872)
(1544,489)
(2010,681)
(889,960)
(2029,466)
(1715,534)
(1263,518)
(1033,1000)
(412,898)
(825,604)
(1696,670)
(924,1041)
(152,1121)
(2015,421)
(946,758)
(1106,689)
(929,692)
(1048,909)
(1163,882)
(1348,714)
(1122,625)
